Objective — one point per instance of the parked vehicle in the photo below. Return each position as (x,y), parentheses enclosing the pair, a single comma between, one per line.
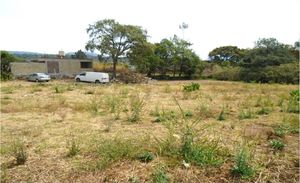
(95,77)
(38,77)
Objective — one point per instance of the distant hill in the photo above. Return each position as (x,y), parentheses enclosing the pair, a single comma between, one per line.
(32,55)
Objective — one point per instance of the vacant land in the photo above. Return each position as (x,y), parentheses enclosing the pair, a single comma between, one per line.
(63,131)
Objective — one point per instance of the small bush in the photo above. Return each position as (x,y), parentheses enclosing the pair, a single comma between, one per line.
(295,94)
(188,113)
(59,89)
(136,106)
(115,104)
(89,92)
(264,111)
(221,115)
(246,114)
(160,176)
(19,152)
(242,165)
(205,111)
(146,157)
(73,148)
(277,145)
(111,150)
(293,103)
(200,153)
(191,87)
(165,115)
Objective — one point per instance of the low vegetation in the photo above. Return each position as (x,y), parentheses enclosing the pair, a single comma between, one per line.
(149,133)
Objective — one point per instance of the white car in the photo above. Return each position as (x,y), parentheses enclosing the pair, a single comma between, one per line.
(94,77)
(37,77)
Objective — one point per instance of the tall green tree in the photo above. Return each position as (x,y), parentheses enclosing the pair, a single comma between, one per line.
(232,54)
(5,60)
(114,39)
(142,56)
(165,50)
(268,52)
(79,55)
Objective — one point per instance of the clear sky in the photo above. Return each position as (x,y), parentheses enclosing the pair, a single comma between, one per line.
(48,26)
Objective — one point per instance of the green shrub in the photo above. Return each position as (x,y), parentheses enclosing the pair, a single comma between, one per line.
(73,147)
(115,104)
(111,150)
(277,145)
(191,87)
(160,176)
(93,106)
(200,153)
(188,113)
(19,152)
(264,111)
(242,164)
(293,103)
(166,115)
(146,157)
(246,114)
(136,105)
(59,89)
(221,115)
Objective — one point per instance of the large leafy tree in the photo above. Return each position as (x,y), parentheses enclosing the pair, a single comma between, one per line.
(5,60)
(268,52)
(142,56)
(79,55)
(165,50)
(233,54)
(113,39)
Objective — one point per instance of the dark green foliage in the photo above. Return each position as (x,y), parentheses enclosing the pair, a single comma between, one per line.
(191,87)
(264,111)
(246,114)
(268,52)
(295,94)
(268,62)
(160,176)
(200,153)
(293,103)
(146,157)
(114,39)
(19,152)
(6,59)
(188,113)
(73,148)
(284,73)
(277,145)
(231,54)
(221,116)
(79,55)
(242,164)
(111,150)
(165,115)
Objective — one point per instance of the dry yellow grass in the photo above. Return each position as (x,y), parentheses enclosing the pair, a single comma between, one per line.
(46,116)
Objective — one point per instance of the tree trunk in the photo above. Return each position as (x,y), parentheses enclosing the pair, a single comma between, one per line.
(115,61)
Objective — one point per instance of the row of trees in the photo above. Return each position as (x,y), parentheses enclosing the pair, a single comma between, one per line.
(268,61)
(173,57)
(170,56)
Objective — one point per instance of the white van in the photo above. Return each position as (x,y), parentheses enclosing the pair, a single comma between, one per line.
(96,77)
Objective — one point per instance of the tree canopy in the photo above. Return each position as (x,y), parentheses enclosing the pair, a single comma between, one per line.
(268,52)
(232,54)
(114,39)
(6,59)
(79,55)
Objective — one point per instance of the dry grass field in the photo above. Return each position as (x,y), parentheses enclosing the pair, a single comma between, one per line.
(63,131)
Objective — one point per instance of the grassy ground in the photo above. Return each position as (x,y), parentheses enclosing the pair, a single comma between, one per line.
(63,131)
